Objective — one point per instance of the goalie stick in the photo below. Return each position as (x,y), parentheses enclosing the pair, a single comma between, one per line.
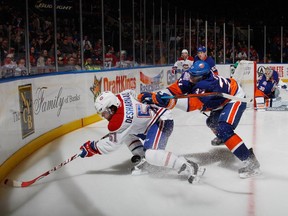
(209,94)
(15,183)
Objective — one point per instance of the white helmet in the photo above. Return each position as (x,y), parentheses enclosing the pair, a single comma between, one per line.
(184,51)
(105,100)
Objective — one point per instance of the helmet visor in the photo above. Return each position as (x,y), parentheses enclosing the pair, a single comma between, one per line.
(195,79)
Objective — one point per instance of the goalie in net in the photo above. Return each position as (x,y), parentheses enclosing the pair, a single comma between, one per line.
(263,86)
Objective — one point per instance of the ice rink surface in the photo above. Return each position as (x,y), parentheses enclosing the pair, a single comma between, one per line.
(102,185)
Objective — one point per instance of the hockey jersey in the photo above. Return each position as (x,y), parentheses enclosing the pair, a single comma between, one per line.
(213,83)
(132,118)
(210,61)
(268,86)
(184,64)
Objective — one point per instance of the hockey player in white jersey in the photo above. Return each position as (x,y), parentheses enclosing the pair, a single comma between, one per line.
(183,63)
(144,128)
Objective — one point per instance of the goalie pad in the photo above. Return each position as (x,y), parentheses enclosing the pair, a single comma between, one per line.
(271,104)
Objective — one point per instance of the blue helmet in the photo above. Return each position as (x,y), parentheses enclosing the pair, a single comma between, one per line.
(199,68)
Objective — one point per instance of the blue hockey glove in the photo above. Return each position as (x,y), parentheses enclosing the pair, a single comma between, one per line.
(157,99)
(145,97)
(89,149)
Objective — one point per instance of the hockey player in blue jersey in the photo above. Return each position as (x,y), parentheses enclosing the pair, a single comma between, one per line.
(267,91)
(225,114)
(268,83)
(202,55)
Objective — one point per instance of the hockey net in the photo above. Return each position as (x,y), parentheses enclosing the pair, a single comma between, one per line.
(246,75)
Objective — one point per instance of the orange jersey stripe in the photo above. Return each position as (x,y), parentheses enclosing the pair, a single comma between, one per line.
(233,111)
(194,104)
(174,88)
(233,142)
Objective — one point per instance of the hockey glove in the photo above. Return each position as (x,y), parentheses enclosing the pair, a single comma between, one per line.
(89,149)
(174,70)
(157,99)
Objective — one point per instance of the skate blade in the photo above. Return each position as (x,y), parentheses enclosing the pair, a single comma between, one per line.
(138,172)
(193,179)
(201,171)
(255,172)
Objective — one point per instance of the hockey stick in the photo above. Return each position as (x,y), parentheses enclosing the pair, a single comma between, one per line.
(209,94)
(15,183)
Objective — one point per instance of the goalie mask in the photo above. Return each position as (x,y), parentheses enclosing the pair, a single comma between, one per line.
(106,101)
(268,73)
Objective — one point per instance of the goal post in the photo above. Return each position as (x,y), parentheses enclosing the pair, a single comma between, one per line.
(246,75)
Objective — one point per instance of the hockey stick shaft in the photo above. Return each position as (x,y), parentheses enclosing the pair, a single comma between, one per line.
(209,94)
(15,183)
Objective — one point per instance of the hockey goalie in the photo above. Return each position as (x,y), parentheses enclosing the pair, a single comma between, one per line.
(267,93)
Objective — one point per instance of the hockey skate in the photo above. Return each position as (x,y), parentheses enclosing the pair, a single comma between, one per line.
(194,171)
(140,165)
(217,142)
(251,166)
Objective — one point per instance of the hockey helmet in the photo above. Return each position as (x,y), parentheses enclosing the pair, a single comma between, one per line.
(184,51)
(199,68)
(105,101)
(201,49)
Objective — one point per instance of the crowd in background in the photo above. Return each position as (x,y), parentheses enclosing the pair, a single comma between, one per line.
(43,57)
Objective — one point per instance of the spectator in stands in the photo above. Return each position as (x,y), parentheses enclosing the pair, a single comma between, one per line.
(72,64)
(9,62)
(110,58)
(123,62)
(242,55)
(253,54)
(3,50)
(87,51)
(33,57)
(11,59)
(98,57)
(60,61)
(21,69)
(49,62)
(98,46)
(98,64)
(202,55)
(9,66)
(89,64)
(42,58)
(67,46)
(49,65)
(87,41)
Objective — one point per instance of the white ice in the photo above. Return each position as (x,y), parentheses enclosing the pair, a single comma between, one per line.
(102,185)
